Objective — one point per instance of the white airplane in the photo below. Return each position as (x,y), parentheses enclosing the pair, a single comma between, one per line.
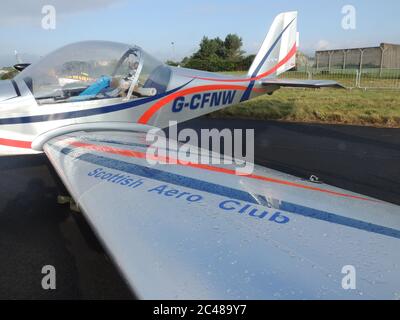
(189,231)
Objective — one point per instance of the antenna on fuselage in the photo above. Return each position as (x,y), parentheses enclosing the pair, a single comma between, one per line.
(17,57)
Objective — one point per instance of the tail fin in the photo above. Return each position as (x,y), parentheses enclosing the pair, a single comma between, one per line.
(278,51)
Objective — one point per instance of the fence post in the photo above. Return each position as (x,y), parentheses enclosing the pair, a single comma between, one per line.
(382,60)
(361,59)
(357,84)
(330,61)
(344,59)
(361,66)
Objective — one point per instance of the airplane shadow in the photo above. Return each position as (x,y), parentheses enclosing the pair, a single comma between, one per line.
(36,231)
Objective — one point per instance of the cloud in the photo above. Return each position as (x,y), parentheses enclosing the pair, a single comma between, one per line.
(323,45)
(23,12)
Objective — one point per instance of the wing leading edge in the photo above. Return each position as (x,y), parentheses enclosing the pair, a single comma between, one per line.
(192,232)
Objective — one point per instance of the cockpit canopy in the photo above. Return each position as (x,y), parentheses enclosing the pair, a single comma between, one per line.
(94,70)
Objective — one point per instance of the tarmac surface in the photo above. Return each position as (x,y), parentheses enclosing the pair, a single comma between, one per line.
(36,231)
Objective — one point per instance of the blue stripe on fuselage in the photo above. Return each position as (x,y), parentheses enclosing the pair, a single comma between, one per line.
(87,112)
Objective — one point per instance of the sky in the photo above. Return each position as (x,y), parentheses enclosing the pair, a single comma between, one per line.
(154,25)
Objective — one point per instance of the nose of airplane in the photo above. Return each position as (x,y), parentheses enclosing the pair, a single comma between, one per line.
(8,90)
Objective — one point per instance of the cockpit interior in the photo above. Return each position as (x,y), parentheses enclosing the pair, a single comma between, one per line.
(94,70)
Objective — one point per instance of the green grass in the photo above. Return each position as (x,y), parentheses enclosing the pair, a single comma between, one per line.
(355,107)
(371,78)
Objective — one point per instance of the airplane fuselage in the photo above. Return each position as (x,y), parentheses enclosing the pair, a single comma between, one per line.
(188,94)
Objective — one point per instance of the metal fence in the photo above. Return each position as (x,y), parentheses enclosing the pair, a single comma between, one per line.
(386,56)
(374,78)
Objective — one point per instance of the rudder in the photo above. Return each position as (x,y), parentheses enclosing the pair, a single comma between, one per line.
(278,51)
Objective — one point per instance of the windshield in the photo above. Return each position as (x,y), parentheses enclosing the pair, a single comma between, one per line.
(93,70)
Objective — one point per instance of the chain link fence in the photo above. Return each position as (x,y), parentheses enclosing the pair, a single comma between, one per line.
(364,68)
(372,78)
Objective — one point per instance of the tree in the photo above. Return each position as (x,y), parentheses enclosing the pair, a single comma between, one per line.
(172,63)
(209,48)
(233,43)
(246,62)
(219,55)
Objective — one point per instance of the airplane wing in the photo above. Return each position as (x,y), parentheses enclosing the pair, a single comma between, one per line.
(302,83)
(187,231)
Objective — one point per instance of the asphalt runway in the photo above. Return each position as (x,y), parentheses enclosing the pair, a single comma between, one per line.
(360,159)
(36,231)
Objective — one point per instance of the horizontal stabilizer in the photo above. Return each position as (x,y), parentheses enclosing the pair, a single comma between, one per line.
(302,83)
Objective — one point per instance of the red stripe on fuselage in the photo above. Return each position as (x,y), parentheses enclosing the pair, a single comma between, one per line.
(148,114)
(15,143)
(144,119)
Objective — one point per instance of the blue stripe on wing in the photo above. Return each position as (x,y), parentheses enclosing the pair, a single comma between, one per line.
(217,189)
